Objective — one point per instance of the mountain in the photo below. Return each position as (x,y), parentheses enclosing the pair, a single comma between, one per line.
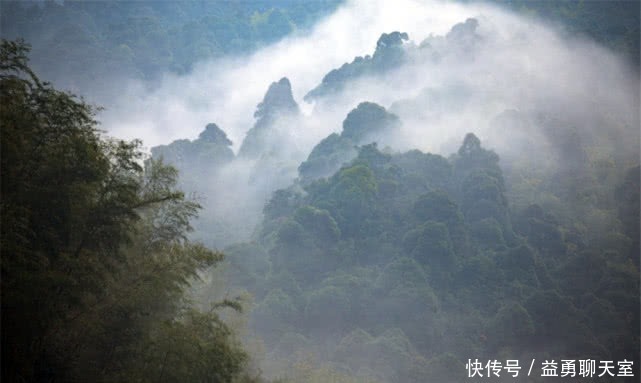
(365,124)
(277,108)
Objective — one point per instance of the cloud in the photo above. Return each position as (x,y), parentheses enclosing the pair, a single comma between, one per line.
(524,87)
(519,64)
(226,91)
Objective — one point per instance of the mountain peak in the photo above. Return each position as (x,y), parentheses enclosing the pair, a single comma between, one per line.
(214,134)
(389,54)
(391,39)
(368,119)
(278,99)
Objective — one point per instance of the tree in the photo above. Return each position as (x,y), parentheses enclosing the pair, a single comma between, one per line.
(327,157)
(367,122)
(95,259)
(319,224)
(353,193)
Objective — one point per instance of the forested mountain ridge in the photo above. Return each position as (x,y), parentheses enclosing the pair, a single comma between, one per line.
(428,248)
(278,103)
(394,265)
(397,265)
(425,253)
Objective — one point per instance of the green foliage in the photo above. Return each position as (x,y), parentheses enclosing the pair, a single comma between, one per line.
(541,230)
(386,357)
(437,206)
(95,259)
(368,121)
(364,125)
(319,224)
(274,313)
(372,266)
(424,245)
(389,54)
(328,309)
(511,327)
(488,233)
(278,104)
(520,263)
(424,170)
(198,159)
(194,348)
(352,193)
(248,266)
(403,271)
(431,245)
(282,203)
(327,157)
(97,39)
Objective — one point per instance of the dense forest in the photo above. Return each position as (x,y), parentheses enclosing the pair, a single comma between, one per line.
(443,201)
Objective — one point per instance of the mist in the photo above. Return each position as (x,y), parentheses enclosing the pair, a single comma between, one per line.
(539,98)
(551,72)
(227,91)
(504,67)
